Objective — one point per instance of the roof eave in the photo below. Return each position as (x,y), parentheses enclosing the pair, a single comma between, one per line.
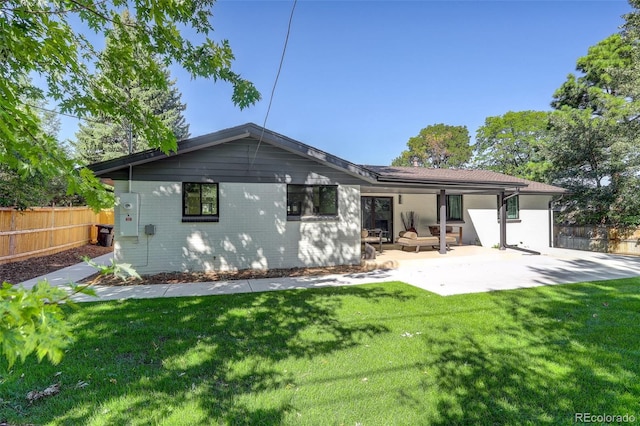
(451,182)
(550,193)
(151,155)
(249,130)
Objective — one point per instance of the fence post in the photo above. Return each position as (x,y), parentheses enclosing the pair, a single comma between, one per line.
(53,226)
(12,237)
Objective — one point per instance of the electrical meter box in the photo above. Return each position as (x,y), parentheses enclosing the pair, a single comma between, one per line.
(129,205)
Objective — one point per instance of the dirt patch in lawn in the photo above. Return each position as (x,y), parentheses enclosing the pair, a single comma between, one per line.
(17,272)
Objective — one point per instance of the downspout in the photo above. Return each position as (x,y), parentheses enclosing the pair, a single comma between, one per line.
(503,221)
(503,217)
(551,223)
(551,218)
(503,225)
(443,222)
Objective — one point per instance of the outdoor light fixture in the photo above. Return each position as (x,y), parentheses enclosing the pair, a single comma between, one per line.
(399,198)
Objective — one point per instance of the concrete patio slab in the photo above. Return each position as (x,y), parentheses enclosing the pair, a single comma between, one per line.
(505,270)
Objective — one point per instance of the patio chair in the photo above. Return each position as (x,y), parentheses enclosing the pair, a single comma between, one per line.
(435,230)
(371,236)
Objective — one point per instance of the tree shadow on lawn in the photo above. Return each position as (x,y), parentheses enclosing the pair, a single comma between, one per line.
(596,267)
(545,355)
(218,352)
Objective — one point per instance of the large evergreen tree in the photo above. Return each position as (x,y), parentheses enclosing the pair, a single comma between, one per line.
(595,145)
(103,138)
(597,84)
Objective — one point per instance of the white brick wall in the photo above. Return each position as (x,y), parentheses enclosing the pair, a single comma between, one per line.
(253,231)
(531,231)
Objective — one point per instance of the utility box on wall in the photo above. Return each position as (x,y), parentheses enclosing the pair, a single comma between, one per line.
(129,205)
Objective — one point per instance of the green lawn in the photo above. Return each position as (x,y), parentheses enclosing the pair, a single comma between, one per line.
(383,354)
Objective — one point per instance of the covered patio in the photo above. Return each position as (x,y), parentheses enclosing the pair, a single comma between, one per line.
(476,207)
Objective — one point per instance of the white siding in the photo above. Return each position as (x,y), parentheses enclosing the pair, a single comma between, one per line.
(253,231)
(531,231)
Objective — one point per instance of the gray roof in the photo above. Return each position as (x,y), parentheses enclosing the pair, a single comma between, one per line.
(249,130)
(371,175)
(460,176)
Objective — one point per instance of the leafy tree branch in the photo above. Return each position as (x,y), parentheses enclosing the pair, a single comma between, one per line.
(33,321)
(46,39)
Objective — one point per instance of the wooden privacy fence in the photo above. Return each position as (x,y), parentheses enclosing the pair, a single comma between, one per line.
(598,238)
(46,230)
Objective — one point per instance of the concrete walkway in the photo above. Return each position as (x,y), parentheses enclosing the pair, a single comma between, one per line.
(73,273)
(463,270)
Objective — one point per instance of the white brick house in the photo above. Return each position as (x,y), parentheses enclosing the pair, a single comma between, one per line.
(226,202)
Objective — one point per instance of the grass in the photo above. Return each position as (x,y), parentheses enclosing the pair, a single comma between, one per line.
(371,355)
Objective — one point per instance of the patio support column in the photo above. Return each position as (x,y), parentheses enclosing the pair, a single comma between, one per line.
(503,221)
(443,222)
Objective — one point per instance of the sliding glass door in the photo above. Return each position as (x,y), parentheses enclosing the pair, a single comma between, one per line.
(377,213)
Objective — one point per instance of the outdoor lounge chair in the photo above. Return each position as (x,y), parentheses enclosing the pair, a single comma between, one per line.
(411,239)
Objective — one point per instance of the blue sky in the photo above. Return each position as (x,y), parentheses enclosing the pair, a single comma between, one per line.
(361,77)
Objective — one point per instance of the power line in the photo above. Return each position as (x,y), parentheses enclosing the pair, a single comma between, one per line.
(275,83)
(61,113)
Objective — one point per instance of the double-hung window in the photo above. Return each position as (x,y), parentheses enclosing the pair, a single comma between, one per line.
(200,202)
(455,213)
(312,201)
